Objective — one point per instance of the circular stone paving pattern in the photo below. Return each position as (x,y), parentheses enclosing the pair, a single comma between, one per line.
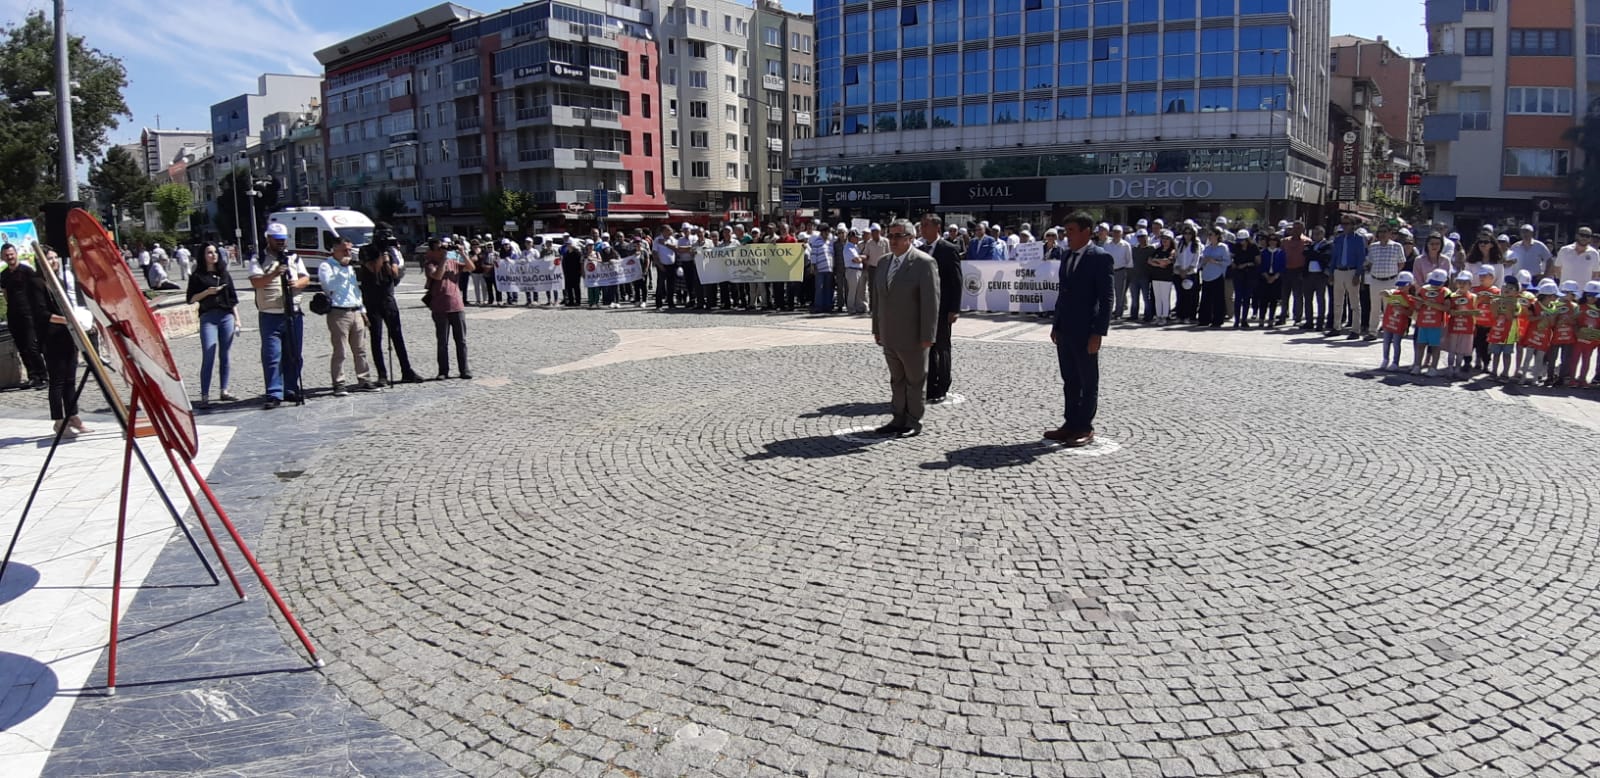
(676,566)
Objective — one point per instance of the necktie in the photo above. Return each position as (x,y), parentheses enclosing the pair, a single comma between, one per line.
(894,267)
(1072,262)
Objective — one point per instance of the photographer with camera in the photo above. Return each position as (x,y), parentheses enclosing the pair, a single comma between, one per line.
(347,318)
(277,274)
(444,267)
(382,266)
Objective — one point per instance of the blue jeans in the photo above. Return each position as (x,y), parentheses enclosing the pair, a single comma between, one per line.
(216,337)
(280,353)
(822,300)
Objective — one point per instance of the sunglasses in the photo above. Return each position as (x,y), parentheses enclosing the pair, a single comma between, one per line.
(894,235)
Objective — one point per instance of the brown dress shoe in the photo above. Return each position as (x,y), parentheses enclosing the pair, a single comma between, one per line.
(1061,435)
(1083,439)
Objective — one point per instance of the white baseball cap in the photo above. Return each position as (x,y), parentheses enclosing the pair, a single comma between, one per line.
(1464,276)
(1405,278)
(1549,286)
(1570,285)
(1593,287)
(1438,276)
(278,230)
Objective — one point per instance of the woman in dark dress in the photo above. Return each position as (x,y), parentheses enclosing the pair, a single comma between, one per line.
(60,354)
(212,287)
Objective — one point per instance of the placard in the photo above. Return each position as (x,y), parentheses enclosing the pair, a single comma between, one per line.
(752,264)
(1032,251)
(1022,287)
(22,235)
(528,275)
(611,272)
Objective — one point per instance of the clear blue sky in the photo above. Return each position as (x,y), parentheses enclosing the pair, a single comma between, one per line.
(184,56)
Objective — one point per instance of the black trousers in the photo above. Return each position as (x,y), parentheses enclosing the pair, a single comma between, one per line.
(691,284)
(379,318)
(1212,309)
(444,324)
(27,341)
(1480,347)
(1188,307)
(939,360)
(573,293)
(667,286)
(61,356)
(1080,381)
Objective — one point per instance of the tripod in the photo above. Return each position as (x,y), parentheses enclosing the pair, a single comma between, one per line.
(144,463)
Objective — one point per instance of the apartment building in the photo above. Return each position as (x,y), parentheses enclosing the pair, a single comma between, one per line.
(236,122)
(710,107)
(157,148)
(783,46)
(1020,109)
(292,157)
(1506,81)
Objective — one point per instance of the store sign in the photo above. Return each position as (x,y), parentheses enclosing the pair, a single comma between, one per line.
(562,70)
(873,194)
(1411,179)
(1012,191)
(529,70)
(1347,167)
(1160,188)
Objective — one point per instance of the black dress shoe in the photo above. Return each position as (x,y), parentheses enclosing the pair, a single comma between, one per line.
(911,431)
(466,376)
(271,403)
(936,400)
(889,429)
(410,378)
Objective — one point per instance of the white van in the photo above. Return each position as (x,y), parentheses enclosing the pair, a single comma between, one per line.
(313,231)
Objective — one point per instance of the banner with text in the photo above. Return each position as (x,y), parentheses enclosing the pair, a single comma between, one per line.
(21,234)
(753,264)
(611,272)
(528,275)
(1025,287)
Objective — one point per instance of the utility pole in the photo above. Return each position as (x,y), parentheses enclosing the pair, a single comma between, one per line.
(69,178)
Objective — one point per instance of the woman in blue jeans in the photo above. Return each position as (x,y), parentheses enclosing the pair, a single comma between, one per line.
(212,287)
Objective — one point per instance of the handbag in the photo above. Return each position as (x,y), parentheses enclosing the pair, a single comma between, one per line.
(320,304)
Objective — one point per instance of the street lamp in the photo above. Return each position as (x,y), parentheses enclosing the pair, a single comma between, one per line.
(1270,105)
(64,98)
(255,233)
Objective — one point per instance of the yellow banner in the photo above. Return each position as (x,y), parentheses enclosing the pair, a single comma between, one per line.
(753,264)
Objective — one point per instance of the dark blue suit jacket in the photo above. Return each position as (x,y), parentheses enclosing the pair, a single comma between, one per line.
(1083,307)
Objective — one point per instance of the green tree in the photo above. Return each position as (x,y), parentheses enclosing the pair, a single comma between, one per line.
(1585,179)
(508,205)
(173,202)
(121,181)
(29,138)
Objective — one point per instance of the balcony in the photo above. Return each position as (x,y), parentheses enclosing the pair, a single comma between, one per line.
(772,82)
(1441,128)
(468,123)
(581,33)
(403,173)
(535,155)
(569,158)
(604,77)
(802,117)
(470,163)
(774,144)
(1443,11)
(1443,68)
(533,112)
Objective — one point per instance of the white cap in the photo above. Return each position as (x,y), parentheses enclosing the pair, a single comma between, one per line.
(1405,277)
(1144,222)
(1527,228)
(875,228)
(1438,276)
(1593,287)
(1243,235)
(1503,238)
(1464,276)
(1222,221)
(1549,286)
(1455,236)
(1569,285)
(1405,233)
(278,230)
(1105,226)
(1142,233)
(1488,270)
(1524,277)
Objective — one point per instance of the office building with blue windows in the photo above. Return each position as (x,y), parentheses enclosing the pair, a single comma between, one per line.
(1019,109)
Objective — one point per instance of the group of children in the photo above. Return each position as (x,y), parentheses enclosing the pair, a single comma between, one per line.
(1520,332)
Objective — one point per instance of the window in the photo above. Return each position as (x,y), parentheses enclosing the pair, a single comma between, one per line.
(884,121)
(855,85)
(1073,69)
(732,170)
(794,41)
(946,21)
(1108,60)
(1074,14)
(1479,5)
(644,106)
(1215,8)
(945,116)
(1141,102)
(674,168)
(913,31)
(1072,107)
(885,81)
(1479,42)
(913,78)
(1036,110)
(1006,112)
(1539,100)
(730,55)
(1216,53)
(1007,68)
(1142,56)
(975,72)
(975,24)
(914,119)
(644,67)
(649,145)
(1039,15)
(697,49)
(1473,105)
(672,107)
(1108,105)
(1544,163)
(650,182)
(697,139)
(855,33)
(1263,6)
(886,29)
(697,109)
(772,36)
(671,78)
(672,138)
(697,79)
(1263,51)
(1108,13)
(1539,43)
(946,75)
(1143,11)
(1216,99)
(856,123)
(730,113)
(1177,100)
(975,115)
(700,169)
(1041,63)
(1177,61)
(1007,18)
(730,142)
(1179,9)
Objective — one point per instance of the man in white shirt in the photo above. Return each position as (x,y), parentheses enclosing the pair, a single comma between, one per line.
(184,265)
(1121,262)
(874,248)
(666,249)
(1578,261)
(1528,254)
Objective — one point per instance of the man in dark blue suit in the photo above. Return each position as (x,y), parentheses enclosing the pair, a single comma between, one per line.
(1083,315)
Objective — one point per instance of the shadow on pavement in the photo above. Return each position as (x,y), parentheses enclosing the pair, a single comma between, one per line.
(815,447)
(31,685)
(849,410)
(994,457)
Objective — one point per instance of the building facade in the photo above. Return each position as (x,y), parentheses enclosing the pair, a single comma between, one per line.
(783,68)
(236,122)
(1507,81)
(158,149)
(291,148)
(711,107)
(1026,108)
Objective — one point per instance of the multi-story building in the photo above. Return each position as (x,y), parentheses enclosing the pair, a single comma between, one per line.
(1506,81)
(291,144)
(783,65)
(236,122)
(381,130)
(711,107)
(1020,110)
(158,148)
(555,99)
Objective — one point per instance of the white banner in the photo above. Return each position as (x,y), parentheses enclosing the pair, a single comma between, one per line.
(1024,287)
(615,272)
(1028,252)
(528,275)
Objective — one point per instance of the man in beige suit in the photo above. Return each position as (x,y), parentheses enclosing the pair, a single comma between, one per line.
(905,318)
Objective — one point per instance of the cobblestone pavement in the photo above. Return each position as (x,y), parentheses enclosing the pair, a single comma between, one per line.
(610,555)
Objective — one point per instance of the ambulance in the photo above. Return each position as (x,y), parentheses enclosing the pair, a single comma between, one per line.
(314,231)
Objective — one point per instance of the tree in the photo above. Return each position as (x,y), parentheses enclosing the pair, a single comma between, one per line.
(29,137)
(228,204)
(173,202)
(1585,179)
(508,205)
(387,205)
(121,181)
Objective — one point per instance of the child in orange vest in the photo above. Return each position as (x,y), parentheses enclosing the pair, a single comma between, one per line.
(1460,325)
(1398,305)
(1588,334)
(1541,332)
(1432,305)
(1507,311)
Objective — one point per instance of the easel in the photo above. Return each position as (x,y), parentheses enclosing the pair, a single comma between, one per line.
(124,319)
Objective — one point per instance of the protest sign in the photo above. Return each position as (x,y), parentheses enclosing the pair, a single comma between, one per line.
(1028,252)
(22,235)
(610,272)
(1024,287)
(752,264)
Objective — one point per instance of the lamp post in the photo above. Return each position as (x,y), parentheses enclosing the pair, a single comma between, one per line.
(255,232)
(69,179)
(1271,106)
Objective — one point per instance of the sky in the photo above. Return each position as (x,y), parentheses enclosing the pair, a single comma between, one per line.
(183,57)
